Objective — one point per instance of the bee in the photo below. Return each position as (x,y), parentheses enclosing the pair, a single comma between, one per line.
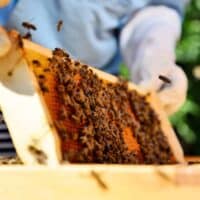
(29,26)
(63,134)
(27,35)
(99,180)
(20,41)
(49,59)
(77,63)
(41,76)
(164,79)
(164,176)
(39,155)
(85,67)
(59,25)
(193,162)
(46,70)
(10,73)
(44,88)
(36,62)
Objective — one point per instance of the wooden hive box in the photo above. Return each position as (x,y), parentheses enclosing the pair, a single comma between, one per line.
(100,182)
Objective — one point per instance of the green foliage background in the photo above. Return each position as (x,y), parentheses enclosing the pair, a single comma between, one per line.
(186,122)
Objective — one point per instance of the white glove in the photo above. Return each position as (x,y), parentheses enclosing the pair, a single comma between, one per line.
(148,44)
(5,43)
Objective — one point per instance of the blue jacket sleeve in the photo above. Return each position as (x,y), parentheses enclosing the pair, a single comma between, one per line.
(88,31)
(178,5)
(6,11)
(89,26)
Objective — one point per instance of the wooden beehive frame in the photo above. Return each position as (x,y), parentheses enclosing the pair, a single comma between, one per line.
(29,46)
(23,111)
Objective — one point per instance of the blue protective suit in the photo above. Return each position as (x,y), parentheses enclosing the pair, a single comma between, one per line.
(91,27)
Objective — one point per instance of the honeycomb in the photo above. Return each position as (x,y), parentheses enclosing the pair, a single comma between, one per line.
(97,121)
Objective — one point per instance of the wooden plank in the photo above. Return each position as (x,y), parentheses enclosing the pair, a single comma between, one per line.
(120,182)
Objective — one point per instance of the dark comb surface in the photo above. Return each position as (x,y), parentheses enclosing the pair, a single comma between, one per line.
(99,121)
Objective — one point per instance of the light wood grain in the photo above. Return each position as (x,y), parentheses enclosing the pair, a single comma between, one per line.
(122,182)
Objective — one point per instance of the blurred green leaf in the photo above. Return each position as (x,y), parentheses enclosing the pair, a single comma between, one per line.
(192,11)
(197,4)
(124,72)
(191,27)
(188,50)
(179,120)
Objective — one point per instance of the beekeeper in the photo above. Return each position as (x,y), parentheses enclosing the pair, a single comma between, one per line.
(105,33)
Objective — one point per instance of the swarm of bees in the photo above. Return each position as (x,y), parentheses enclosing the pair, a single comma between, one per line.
(93,117)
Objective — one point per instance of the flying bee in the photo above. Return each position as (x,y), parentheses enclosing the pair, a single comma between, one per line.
(20,41)
(164,79)
(27,35)
(59,25)
(29,26)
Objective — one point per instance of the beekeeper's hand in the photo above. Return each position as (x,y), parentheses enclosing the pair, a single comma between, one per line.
(5,43)
(148,44)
